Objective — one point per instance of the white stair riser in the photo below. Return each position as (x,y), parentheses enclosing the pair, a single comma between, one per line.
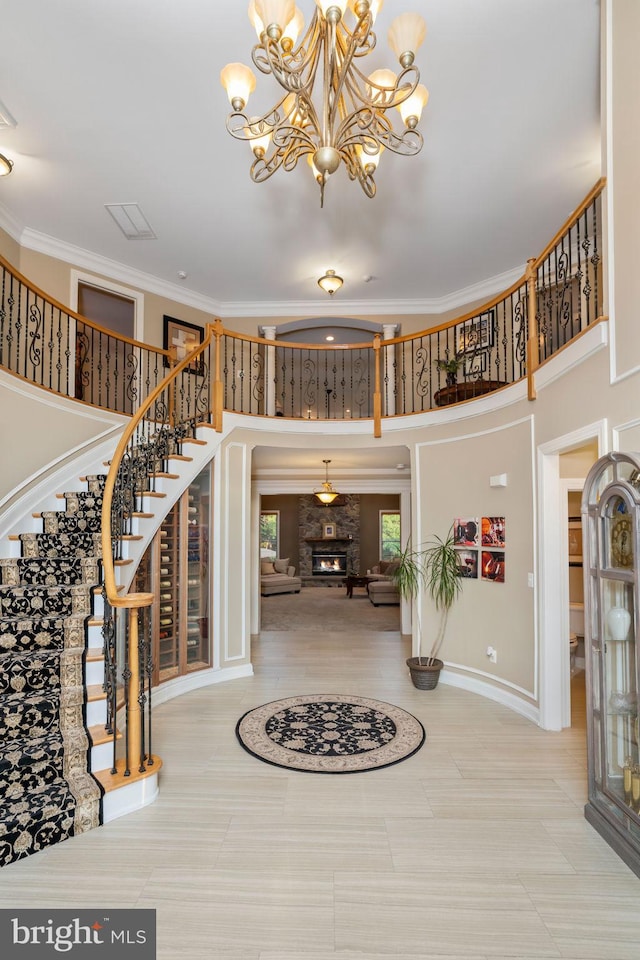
(101,756)
(96,712)
(117,803)
(94,672)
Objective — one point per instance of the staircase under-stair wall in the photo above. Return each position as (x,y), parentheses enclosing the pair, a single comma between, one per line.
(56,758)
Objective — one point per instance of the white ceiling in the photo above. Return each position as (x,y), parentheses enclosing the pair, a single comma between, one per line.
(120,101)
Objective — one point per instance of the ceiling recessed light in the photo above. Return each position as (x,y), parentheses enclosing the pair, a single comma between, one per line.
(330,338)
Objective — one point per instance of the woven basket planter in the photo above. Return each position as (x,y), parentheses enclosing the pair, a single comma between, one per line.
(424,676)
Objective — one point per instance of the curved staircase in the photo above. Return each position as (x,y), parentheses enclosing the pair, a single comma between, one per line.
(47,600)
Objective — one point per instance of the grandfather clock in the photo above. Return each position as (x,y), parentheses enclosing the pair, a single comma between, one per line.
(611,552)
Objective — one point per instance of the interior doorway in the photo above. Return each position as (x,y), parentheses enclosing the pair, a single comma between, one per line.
(563,465)
(115,310)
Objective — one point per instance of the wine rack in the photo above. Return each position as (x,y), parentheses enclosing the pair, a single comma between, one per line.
(168,613)
(175,569)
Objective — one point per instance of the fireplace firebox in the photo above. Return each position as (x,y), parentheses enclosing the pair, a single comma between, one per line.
(328,564)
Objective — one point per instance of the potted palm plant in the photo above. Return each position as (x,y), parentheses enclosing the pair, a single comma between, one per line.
(434,566)
(450,366)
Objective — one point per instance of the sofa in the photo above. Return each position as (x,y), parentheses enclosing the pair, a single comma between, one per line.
(381,588)
(278,576)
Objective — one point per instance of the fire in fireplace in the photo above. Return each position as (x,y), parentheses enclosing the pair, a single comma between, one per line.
(328,564)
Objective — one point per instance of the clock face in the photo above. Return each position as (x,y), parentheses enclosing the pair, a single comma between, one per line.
(621,542)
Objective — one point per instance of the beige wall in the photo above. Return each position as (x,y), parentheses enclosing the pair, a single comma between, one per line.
(38,428)
(623,164)
(453,477)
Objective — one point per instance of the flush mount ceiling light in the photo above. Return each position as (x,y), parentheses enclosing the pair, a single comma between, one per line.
(326,494)
(330,282)
(6,165)
(345,117)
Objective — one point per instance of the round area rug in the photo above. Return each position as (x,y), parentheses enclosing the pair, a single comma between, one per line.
(330,734)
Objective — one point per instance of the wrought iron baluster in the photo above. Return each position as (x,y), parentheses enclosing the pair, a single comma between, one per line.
(595,261)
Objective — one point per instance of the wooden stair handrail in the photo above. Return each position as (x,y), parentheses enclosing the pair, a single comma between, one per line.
(134,600)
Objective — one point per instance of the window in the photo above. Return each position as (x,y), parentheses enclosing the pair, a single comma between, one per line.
(389,534)
(269,534)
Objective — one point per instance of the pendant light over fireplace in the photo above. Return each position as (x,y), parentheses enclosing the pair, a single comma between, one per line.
(326,494)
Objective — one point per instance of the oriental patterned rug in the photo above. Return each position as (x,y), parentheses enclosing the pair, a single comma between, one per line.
(330,734)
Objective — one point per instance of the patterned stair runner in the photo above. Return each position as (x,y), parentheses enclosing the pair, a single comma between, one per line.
(46,599)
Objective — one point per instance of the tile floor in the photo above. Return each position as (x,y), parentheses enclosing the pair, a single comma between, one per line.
(474,848)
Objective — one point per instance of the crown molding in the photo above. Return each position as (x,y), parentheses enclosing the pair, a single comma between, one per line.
(459,299)
(113,269)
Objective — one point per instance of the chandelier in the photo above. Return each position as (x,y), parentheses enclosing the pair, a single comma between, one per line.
(329,111)
(326,494)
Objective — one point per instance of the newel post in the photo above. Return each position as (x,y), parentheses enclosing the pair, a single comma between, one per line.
(377,396)
(217,390)
(533,357)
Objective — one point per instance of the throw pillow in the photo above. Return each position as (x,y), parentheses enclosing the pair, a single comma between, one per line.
(266,567)
(281,565)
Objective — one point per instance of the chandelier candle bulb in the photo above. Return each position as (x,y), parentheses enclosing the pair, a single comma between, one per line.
(411,108)
(337,6)
(292,31)
(254,19)
(275,15)
(406,35)
(239,81)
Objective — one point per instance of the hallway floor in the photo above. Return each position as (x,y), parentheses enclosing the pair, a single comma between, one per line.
(476,847)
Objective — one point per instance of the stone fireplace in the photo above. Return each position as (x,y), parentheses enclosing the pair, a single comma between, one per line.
(325,561)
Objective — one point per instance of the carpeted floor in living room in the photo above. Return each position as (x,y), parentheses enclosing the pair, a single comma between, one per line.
(317,609)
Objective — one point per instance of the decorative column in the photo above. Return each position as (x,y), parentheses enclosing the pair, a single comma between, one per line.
(389,369)
(269,333)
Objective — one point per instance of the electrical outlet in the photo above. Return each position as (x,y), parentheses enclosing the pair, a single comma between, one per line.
(492,654)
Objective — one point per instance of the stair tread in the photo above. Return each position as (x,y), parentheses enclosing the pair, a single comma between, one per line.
(98,735)
(113,781)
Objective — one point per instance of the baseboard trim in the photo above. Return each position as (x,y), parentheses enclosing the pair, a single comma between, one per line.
(194,681)
(509,700)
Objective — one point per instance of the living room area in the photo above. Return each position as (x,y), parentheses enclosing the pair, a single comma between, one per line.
(322,563)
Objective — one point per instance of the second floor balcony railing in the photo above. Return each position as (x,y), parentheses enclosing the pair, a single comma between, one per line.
(558,298)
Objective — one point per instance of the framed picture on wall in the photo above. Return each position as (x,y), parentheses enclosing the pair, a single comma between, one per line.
(493,532)
(328,531)
(477,333)
(465,531)
(180,338)
(468,564)
(492,564)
